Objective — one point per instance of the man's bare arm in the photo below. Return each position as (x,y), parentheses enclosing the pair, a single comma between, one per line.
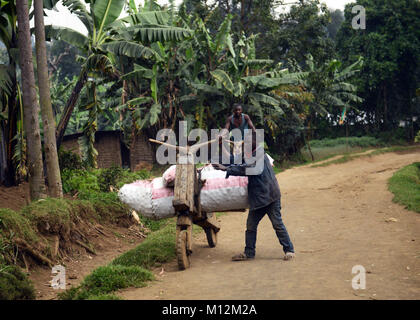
(225,131)
(250,124)
(227,125)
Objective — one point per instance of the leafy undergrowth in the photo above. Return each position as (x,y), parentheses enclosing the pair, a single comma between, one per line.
(131,269)
(14,284)
(405,185)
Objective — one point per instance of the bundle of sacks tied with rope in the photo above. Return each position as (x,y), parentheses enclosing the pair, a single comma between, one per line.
(153,198)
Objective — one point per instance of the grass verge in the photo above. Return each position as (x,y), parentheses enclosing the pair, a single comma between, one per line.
(28,232)
(157,248)
(107,279)
(349,157)
(131,269)
(405,185)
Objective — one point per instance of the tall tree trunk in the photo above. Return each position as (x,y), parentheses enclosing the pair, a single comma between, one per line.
(31,107)
(68,109)
(50,148)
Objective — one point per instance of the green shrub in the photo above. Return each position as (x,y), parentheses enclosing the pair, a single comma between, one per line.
(109,177)
(157,248)
(107,279)
(405,185)
(69,160)
(84,182)
(80,181)
(14,284)
(397,136)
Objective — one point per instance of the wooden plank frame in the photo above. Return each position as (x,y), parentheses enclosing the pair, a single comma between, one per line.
(185,183)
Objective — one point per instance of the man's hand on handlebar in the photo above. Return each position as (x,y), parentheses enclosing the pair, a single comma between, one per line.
(219,166)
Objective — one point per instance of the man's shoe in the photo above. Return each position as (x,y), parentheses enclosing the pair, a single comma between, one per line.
(241,257)
(289,256)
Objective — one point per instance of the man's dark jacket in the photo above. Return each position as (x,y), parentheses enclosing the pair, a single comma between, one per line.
(263,189)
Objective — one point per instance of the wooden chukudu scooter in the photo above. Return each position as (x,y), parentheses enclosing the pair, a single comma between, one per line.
(187,204)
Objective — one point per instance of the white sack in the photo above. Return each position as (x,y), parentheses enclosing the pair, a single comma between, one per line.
(153,199)
(221,194)
(149,197)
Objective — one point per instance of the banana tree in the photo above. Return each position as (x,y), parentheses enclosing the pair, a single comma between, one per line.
(235,74)
(9,108)
(151,57)
(106,36)
(331,90)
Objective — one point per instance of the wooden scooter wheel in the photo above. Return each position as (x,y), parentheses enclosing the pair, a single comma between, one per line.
(182,252)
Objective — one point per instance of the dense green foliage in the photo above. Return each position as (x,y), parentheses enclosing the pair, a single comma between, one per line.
(14,284)
(390,75)
(405,185)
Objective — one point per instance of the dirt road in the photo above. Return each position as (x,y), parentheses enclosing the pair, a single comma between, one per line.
(336,217)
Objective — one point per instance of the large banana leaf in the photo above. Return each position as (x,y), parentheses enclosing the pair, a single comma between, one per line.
(263,82)
(207,89)
(223,78)
(138,73)
(68,35)
(349,97)
(139,101)
(5,80)
(259,62)
(147,17)
(222,34)
(263,98)
(106,11)
(343,86)
(129,49)
(152,33)
(132,6)
(155,110)
(136,102)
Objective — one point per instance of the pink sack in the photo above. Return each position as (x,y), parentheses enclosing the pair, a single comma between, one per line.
(169,176)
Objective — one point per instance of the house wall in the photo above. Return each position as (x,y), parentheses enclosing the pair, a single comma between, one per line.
(71,145)
(141,151)
(109,147)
